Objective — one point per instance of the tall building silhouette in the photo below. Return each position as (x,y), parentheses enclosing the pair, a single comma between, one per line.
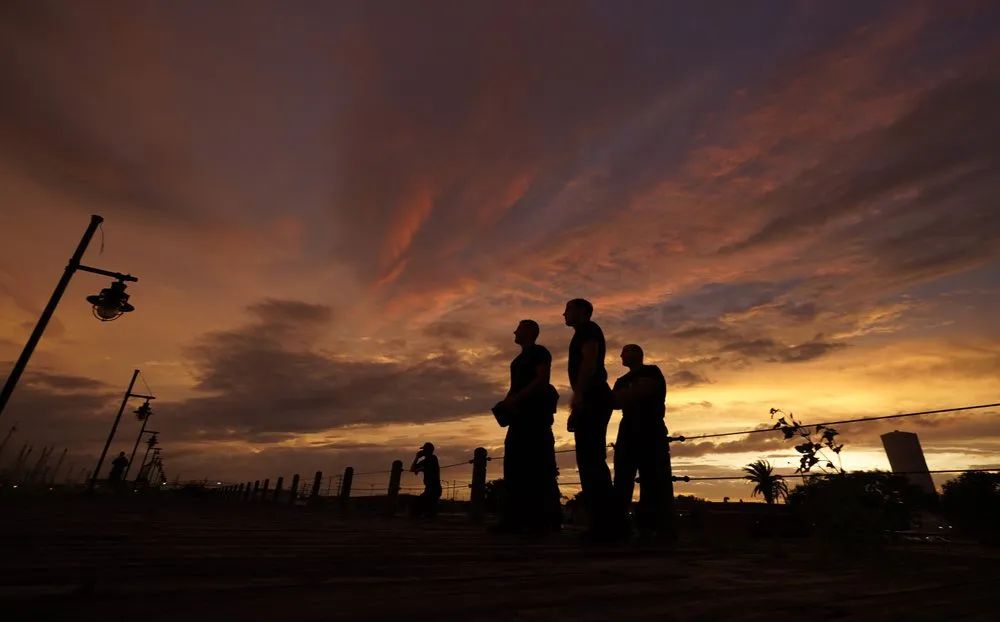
(906,456)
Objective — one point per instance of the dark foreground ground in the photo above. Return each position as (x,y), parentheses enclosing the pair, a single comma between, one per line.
(191,560)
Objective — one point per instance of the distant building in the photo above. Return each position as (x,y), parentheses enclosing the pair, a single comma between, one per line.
(906,456)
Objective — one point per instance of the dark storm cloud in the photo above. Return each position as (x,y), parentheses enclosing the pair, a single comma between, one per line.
(770,350)
(450,329)
(265,379)
(945,147)
(47,380)
(686,378)
(60,410)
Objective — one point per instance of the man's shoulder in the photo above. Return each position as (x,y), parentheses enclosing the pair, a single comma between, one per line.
(588,331)
(540,351)
(651,370)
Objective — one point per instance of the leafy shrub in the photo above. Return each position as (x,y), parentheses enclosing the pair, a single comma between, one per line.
(856,507)
(972,502)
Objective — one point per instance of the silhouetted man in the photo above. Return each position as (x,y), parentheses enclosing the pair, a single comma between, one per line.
(590,411)
(529,465)
(427,463)
(642,444)
(118,468)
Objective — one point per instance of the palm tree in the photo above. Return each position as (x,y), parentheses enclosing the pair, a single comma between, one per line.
(766,483)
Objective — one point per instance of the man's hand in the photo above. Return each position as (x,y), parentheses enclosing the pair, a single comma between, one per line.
(571,422)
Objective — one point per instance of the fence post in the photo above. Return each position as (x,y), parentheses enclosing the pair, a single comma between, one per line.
(293,492)
(317,481)
(394,477)
(345,487)
(478,485)
(239,493)
(247,492)
(277,489)
(256,491)
(264,489)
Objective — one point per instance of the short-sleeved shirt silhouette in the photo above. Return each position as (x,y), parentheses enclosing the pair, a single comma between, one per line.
(652,407)
(584,333)
(432,472)
(524,368)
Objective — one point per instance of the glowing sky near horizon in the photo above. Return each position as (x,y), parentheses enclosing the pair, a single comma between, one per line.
(339,211)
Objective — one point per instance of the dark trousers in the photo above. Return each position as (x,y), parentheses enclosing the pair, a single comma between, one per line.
(426,504)
(642,448)
(529,475)
(590,422)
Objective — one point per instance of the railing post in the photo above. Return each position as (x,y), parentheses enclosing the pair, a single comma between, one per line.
(247,491)
(317,481)
(264,489)
(478,485)
(293,492)
(239,493)
(277,489)
(345,487)
(256,491)
(394,478)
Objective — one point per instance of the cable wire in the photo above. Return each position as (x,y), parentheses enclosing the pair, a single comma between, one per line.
(685,478)
(860,420)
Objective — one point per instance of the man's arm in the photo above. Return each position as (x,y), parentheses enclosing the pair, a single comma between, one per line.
(543,372)
(588,366)
(643,388)
(417,465)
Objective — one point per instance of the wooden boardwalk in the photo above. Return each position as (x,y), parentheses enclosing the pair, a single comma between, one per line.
(200,560)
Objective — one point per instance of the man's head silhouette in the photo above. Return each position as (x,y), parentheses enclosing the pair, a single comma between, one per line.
(526,332)
(578,312)
(632,356)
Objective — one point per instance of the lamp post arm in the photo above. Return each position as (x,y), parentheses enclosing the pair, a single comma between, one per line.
(43,320)
(115,275)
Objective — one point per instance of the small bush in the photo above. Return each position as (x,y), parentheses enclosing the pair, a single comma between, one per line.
(972,502)
(856,507)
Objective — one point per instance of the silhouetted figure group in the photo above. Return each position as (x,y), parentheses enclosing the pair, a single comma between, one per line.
(532,493)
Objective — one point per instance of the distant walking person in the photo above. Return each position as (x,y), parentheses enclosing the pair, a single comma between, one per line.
(590,411)
(118,468)
(642,444)
(427,463)
(529,465)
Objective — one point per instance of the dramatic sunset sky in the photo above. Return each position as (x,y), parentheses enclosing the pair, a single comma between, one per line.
(339,211)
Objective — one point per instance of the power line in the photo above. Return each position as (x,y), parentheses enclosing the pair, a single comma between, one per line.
(860,420)
(372,473)
(685,478)
(142,377)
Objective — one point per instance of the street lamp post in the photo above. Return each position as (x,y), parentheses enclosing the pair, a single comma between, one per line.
(151,442)
(144,412)
(110,304)
(114,428)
